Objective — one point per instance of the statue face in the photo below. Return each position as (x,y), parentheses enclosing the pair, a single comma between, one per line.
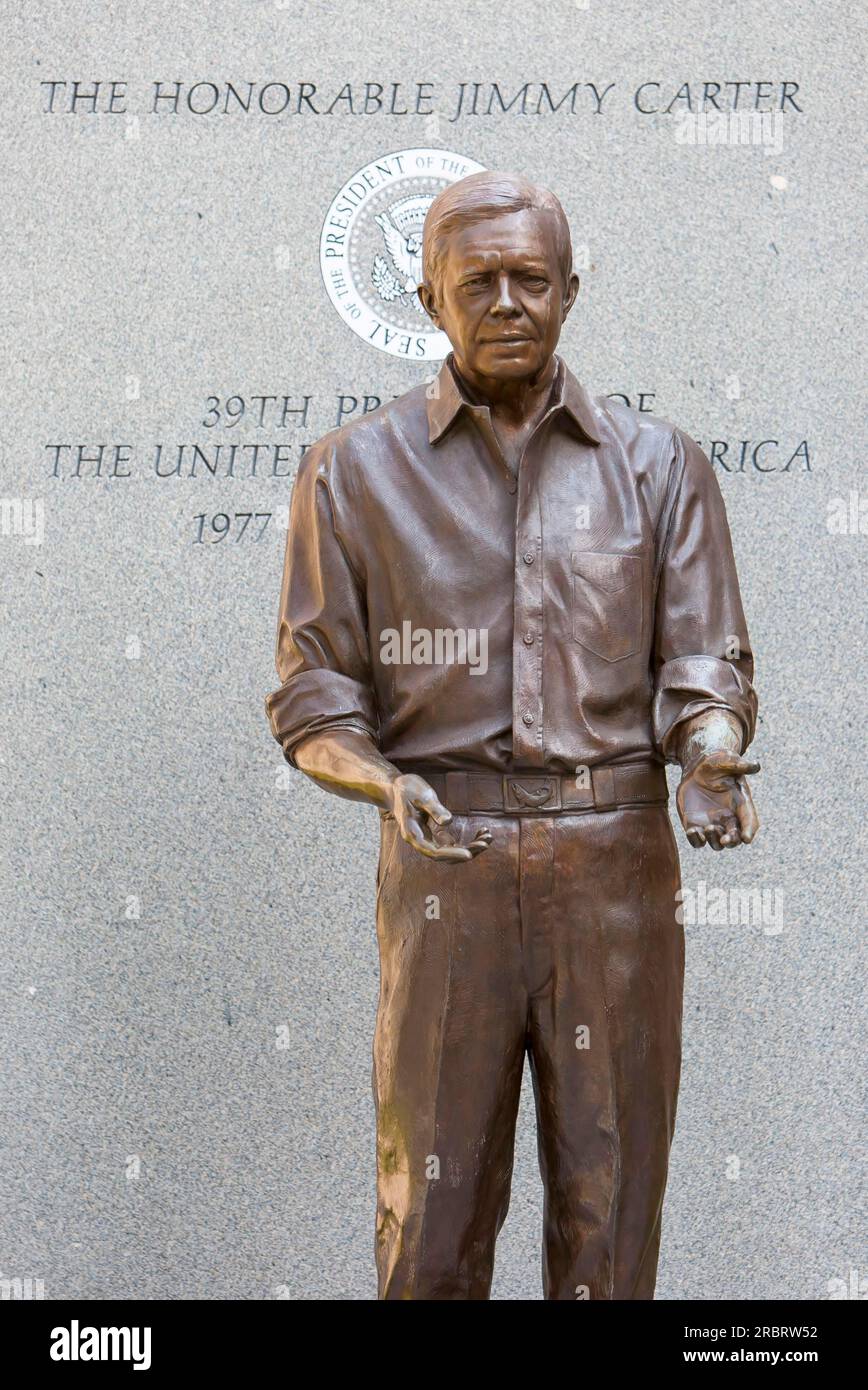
(501,300)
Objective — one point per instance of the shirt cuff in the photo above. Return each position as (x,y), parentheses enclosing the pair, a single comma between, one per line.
(688,685)
(313,701)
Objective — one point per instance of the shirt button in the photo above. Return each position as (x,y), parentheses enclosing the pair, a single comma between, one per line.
(527,718)
(528,639)
(528,557)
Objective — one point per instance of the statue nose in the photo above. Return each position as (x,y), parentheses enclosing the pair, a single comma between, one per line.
(505,302)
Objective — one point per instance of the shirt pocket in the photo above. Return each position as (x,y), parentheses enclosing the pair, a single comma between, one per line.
(607,603)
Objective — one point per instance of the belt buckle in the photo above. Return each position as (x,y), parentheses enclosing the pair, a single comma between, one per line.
(532,793)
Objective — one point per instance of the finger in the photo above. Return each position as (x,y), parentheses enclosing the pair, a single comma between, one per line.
(462,853)
(480,842)
(695,836)
(455,854)
(477,846)
(730,836)
(414,835)
(748,820)
(449,854)
(712,836)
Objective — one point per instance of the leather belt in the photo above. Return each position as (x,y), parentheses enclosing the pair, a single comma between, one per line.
(516,794)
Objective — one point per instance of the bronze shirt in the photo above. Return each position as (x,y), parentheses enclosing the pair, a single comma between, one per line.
(571,616)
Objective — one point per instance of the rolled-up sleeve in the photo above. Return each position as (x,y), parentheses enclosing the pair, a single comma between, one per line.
(702,656)
(322,640)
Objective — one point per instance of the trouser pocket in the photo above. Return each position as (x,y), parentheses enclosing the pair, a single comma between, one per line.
(389,837)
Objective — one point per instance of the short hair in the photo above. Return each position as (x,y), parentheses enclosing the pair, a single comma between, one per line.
(488,194)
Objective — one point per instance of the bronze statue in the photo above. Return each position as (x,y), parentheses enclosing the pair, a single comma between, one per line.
(505,606)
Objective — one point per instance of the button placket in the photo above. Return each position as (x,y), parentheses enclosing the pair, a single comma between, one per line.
(527,737)
(527,654)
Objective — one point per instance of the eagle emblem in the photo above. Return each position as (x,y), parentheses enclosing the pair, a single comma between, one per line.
(396,274)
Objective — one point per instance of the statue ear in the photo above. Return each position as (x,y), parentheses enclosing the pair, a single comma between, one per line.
(428,302)
(572,291)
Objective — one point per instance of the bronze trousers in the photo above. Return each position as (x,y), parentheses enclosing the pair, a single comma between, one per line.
(560,941)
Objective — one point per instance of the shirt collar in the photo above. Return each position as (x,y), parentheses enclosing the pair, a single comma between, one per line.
(446,398)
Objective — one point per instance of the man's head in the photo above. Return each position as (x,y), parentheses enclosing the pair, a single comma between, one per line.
(499,278)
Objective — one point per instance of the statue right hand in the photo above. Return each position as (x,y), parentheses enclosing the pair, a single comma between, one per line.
(414,804)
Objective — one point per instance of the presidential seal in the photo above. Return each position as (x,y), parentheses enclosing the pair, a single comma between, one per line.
(371,249)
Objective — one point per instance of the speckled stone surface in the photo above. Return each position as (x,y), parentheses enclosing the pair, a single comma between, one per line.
(189,972)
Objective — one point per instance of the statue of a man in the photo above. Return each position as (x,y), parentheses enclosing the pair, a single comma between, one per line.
(506,605)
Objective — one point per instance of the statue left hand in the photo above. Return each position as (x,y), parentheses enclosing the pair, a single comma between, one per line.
(714,801)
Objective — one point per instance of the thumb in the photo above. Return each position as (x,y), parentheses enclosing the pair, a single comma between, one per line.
(726,763)
(741,767)
(429,802)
